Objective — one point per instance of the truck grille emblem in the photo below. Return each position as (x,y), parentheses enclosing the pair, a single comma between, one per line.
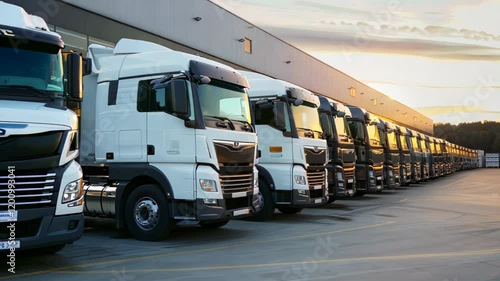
(236,145)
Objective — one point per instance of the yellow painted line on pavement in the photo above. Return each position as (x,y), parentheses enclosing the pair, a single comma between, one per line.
(303,262)
(60,269)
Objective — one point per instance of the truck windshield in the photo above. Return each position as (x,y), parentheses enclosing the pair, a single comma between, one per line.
(39,69)
(404,143)
(373,133)
(415,144)
(223,100)
(306,117)
(392,140)
(342,127)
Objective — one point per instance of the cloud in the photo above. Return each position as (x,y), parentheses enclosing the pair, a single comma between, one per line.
(369,42)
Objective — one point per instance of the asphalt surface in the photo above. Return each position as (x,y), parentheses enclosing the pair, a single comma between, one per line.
(444,230)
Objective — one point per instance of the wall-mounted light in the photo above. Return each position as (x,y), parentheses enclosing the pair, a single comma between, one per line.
(288,62)
(197,18)
(241,40)
(352,91)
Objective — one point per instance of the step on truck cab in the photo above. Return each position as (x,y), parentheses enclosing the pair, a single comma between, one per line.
(167,137)
(341,165)
(292,166)
(369,152)
(404,155)
(40,182)
(388,136)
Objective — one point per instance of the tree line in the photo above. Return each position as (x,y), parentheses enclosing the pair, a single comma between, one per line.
(476,135)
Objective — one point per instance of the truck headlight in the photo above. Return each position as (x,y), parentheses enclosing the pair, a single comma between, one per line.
(208,185)
(72,191)
(300,180)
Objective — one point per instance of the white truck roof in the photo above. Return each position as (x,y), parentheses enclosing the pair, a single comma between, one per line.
(15,16)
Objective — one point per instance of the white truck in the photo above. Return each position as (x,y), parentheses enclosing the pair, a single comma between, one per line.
(166,137)
(292,166)
(41,202)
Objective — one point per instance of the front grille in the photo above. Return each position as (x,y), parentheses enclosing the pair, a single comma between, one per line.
(315,155)
(236,160)
(33,189)
(20,147)
(316,177)
(349,173)
(236,183)
(396,170)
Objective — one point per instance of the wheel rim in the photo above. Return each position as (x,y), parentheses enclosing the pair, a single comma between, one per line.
(261,200)
(146,213)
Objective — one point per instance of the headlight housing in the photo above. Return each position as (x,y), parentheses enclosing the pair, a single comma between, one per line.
(300,179)
(208,185)
(72,191)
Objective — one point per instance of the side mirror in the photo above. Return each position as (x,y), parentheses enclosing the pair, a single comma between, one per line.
(297,102)
(177,96)
(73,76)
(279,116)
(87,66)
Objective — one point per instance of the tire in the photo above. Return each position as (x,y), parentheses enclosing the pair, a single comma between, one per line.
(290,211)
(266,200)
(147,213)
(331,199)
(212,225)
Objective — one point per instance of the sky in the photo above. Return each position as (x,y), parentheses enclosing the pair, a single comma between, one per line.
(440,57)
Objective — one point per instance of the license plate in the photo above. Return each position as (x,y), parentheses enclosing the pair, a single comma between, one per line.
(318,200)
(5,245)
(8,216)
(241,212)
(239,194)
(350,181)
(318,187)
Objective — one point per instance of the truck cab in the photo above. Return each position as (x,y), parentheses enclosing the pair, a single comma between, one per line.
(40,179)
(341,165)
(167,137)
(369,152)
(426,156)
(416,156)
(404,154)
(392,159)
(294,154)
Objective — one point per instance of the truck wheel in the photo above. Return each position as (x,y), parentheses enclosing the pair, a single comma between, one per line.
(290,211)
(213,224)
(266,201)
(331,199)
(147,213)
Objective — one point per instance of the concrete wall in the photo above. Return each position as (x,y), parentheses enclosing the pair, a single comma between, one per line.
(216,35)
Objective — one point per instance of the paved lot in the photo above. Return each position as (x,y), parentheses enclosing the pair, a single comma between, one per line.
(443,230)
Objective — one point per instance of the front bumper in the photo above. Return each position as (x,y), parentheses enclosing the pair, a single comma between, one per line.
(38,228)
(227,209)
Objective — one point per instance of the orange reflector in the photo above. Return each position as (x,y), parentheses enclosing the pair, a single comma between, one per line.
(275,149)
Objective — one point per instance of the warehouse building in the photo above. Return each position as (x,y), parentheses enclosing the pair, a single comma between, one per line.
(201,27)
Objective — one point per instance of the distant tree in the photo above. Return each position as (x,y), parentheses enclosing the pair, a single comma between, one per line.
(476,135)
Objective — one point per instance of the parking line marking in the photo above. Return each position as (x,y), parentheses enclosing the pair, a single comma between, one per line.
(373,258)
(61,269)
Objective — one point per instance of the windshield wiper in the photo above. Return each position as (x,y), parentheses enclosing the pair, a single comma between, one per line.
(308,132)
(247,126)
(223,125)
(30,89)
